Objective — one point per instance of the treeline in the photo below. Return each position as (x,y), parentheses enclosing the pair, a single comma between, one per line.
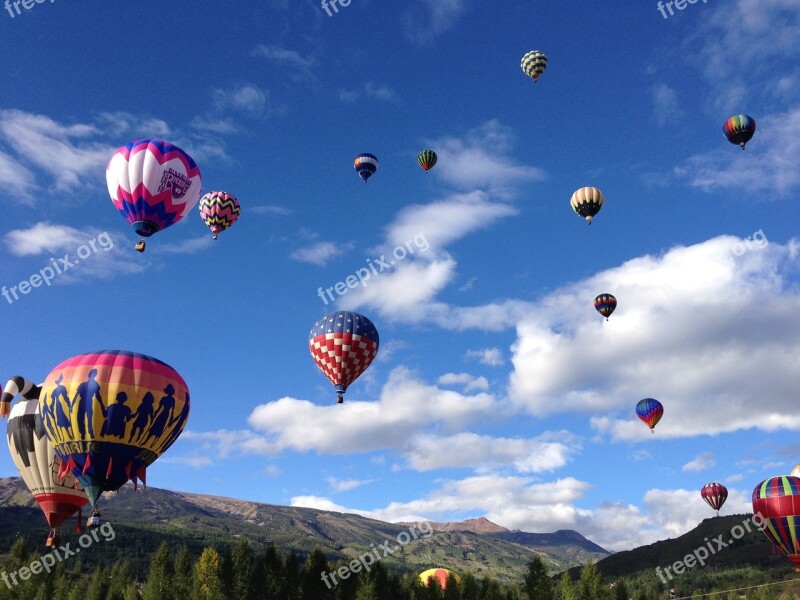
(245,574)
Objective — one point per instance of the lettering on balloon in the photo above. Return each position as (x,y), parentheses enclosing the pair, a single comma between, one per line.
(177,183)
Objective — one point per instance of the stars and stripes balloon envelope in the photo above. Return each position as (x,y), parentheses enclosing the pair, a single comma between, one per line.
(343,344)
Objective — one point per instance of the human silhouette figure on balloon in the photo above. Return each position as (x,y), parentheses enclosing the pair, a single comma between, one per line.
(177,425)
(60,399)
(143,416)
(117,419)
(84,398)
(164,414)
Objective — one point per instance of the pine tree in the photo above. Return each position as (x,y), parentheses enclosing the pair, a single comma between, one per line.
(590,585)
(208,576)
(121,578)
(183,578)
(160,578)
(537,583)
(451,588)
(621,591)
(566,588)
(242,563)
(366,589)
(469,588)
(312,584)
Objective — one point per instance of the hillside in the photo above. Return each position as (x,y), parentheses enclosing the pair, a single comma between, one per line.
(198,520)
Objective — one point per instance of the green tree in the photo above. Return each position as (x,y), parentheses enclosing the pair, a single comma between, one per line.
(366,589)
(243,587)
(469,587)
(590,584)
(160,584)
(621,591)
(121,578)
(566,588)
(183,578)
(208,576)
(537,583)
(312,584)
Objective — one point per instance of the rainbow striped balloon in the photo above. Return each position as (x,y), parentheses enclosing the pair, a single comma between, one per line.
(650,411)
(110,414)
(739,129)
(219,210)
(777,502)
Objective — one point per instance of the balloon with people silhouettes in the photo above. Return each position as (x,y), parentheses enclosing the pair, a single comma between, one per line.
(110,414)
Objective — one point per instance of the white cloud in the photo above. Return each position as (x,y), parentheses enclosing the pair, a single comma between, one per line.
(665,104)
(370,89)
(17,179)
(320,253)
(469,382)
(701,462)
(492,357)
(345,485)
(246,98)
(724,322)
(441,16)
(300,67)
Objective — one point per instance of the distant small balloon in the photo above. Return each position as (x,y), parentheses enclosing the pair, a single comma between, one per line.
(365,165)
(605,304)
(427,159)
(739,129)
(587,202)
(650,411)
(533,64)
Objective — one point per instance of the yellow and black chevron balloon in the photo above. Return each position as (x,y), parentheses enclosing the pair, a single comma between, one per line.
(533,64)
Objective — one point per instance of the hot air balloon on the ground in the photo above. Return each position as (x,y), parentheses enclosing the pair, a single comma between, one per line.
(439,576)
(715,495)
(38,466)
(650,411)
(153,184)
(343,344)
(219,210)
(365,165)
(110,414)
(605,304)
(739,129)
(533,64)
(587,202)
(777,501)
(427,159)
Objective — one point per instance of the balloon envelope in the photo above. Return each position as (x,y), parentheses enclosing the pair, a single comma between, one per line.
(587,202)
(343,344)
(605,304)
(110,414)
(714,494)
(439,575)
(38,465)
(777,501)
(219,210)
(650,411)
(365,165)
(427,159)
(533,64)
(153,184)
(739,129)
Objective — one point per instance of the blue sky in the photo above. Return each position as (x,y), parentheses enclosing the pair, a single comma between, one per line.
(498,391)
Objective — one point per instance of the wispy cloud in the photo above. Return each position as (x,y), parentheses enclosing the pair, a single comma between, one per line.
(300,67)
(320,253)
(492,357)
(439,16)
(701,462)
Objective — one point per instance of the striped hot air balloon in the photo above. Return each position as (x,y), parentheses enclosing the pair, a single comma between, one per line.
(587,202)
(776,503)
(365,165)
(38,465)
(715,495)
(650,411)
(427,159)
(605,304)
(533,64)
(110,414)
(153,184)
(219,210)
(343,344)
(739,129)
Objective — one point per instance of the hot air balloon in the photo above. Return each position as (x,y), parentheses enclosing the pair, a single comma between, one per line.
(777,501)
(153,184)
(439,576)
(605,304)
(650,411)
(38,465)
(427,159)
(110,414)
(739,129)
(365,165)
(715,495)
(219,210)
(796,471)
(587,202)
(533,64)
(343,344)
